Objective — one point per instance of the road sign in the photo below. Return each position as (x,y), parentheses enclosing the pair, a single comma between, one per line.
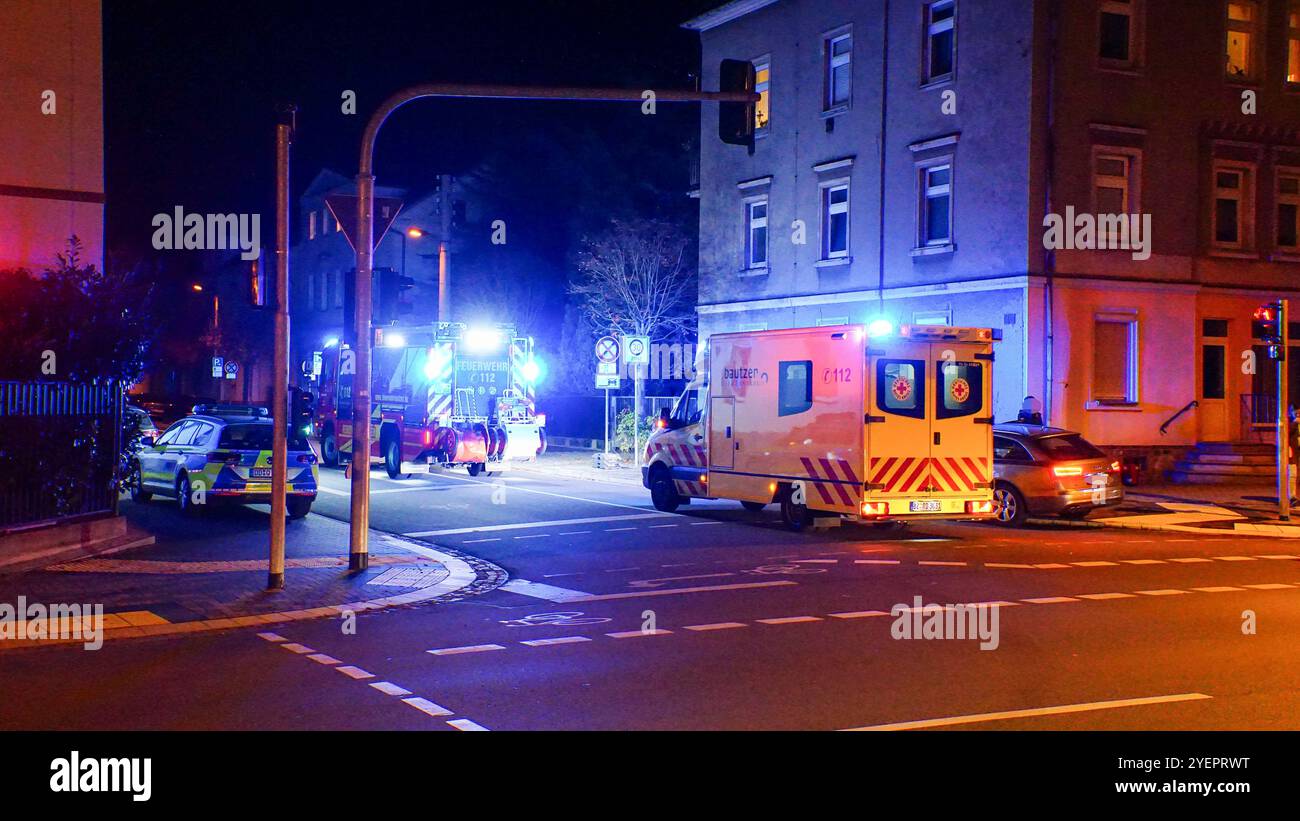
(344,209)
(609,382)
(607,349)
(232,369)
(607,368)
(636,350)
(216,367)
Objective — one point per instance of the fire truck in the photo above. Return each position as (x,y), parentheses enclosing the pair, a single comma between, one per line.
(857,422)
(442,395)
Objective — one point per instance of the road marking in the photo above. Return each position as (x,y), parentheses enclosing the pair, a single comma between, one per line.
(427,707)
(477,541)
(875,561)
(1192,560)
(571,532)
(271,636)
(653,527)
(1161,592)
(1104,596)
(473,648)
(1050,600)
(535,536)
(722,625)
(1052,566)
(321,658)
(468,726)
(816,561)
(700,524)
(943,564)
(1142,561)
(618,529)
(557,495)
(1235,558)
(672,591)
(858,614)
(561,640)
(1279,556)
(354,672)
(390,689)
(621,569)
(1012,566)
(1037,711)
(1095,564)
(1218,589)
(420,534)
(789,620)
(631,634)
(655,582)
(543,591)
(1267,586)
(297,648)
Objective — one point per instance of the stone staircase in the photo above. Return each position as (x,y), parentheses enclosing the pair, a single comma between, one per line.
(1231,463)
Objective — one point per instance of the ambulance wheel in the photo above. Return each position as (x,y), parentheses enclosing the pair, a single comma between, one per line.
(754,507)
(393,459)
(138,494)
(663,494)
(474,468)
(329,449)
(1012,511)
(299,506)
(796,516)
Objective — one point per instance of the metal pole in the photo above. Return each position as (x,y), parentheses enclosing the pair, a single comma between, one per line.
(444,258)
(1283,415)
(280,379)
(359,514)
(636,414)
(606,421)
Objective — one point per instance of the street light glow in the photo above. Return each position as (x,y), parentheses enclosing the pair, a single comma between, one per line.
(414,233)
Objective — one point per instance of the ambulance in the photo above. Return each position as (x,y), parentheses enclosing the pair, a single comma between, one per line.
(853,422)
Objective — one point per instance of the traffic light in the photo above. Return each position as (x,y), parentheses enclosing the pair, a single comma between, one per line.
(736,120)
(391,288)
(1268,328)
(301,410)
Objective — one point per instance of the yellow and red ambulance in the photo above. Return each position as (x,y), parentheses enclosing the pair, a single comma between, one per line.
(860,422)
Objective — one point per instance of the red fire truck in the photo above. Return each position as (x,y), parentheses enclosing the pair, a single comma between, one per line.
(442,395)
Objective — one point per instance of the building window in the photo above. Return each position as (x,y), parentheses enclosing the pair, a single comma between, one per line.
(935,212)
(1242,39)
(931,318)
(1116,177)
(835,220)
(756,234)
(838,50)
(940,41)
(1293,44)
(1288,210)
(1233,215)
(311,225)
(1117,33)
(763,86)
(1114,359)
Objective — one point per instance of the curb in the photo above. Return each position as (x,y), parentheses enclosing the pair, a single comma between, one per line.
(466,577)
(1244,528)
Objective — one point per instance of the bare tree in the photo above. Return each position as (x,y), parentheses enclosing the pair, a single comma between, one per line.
(636,278)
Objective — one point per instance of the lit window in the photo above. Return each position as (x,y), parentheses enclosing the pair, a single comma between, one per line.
(839,64)
(1242,39)
(936,205)
(763,86)
(311,225)
(941,40)
(1116,33)
(1293,44)
(835,221)
(1288,211)
(756,234)
(1232,207)
(1114,359)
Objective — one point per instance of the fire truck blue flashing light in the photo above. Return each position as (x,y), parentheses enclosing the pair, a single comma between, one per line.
(331,342)
(880,327)
(482,340)
(533,371)
(394,341)
(436,362)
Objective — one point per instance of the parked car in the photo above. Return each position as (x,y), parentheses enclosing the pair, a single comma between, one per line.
(138,419)
(166,409)
(1043,471)
(222,453)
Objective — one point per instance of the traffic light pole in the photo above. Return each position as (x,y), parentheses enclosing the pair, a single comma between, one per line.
(358,558)
(280,379)
(1283,414)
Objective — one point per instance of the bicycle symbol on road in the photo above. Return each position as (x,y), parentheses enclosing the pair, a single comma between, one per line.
(566,619)
(785,570)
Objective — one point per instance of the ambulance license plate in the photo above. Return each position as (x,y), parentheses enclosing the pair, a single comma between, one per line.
(259,473)
(925,506)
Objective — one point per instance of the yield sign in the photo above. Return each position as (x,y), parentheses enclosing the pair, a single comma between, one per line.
(344,209)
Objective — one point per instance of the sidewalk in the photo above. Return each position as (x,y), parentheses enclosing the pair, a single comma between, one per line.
(1213,510)
(577,464)
(209,573)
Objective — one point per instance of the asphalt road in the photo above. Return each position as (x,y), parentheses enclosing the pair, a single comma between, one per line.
(618,617)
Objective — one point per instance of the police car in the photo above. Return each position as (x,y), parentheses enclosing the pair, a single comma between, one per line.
(222,453)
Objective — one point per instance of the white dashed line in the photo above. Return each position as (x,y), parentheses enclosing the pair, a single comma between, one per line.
(722,625)
(1142,561)
(297,648)
(1267,586)
(1235,558)
(477,541)
(1279,556)
(1192,560)
(858,614)
(354,672)
(271,637)
(1105,596)
(1095,564)
(1161,592)
(468,726)
(534,536)
(789,620)
(427,707)
(875,561)
(1050,600)
(473,648)
(390,689)
(1004,566)
(632,634)
(321,658)
(548,642)
(1218,589)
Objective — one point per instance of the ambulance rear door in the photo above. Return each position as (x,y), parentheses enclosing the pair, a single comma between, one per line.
(898,421)
(961,442)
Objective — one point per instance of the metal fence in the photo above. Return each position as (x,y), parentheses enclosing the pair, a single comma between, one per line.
(60,445)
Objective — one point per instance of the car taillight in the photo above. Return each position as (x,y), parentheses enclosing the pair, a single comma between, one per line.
(1068,470)
(1114,467)
(875,508)
(980,507)
(227,458)
(428,437)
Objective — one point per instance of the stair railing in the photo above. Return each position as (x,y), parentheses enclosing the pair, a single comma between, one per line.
(1164,429)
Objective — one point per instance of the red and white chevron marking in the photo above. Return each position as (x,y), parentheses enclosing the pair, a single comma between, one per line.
(685,456)
(913,474)
(837,471)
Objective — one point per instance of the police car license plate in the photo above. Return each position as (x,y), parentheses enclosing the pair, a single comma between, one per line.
(925,506)
(259,473)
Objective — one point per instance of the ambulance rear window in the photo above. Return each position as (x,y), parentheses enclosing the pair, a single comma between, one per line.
(961,391)
(900,387)
(795,395)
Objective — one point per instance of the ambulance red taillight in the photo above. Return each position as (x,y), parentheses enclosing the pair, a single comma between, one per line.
(985,506)
(875,508)
(428,437)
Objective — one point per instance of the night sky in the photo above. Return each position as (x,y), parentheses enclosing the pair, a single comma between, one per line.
(191,88)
